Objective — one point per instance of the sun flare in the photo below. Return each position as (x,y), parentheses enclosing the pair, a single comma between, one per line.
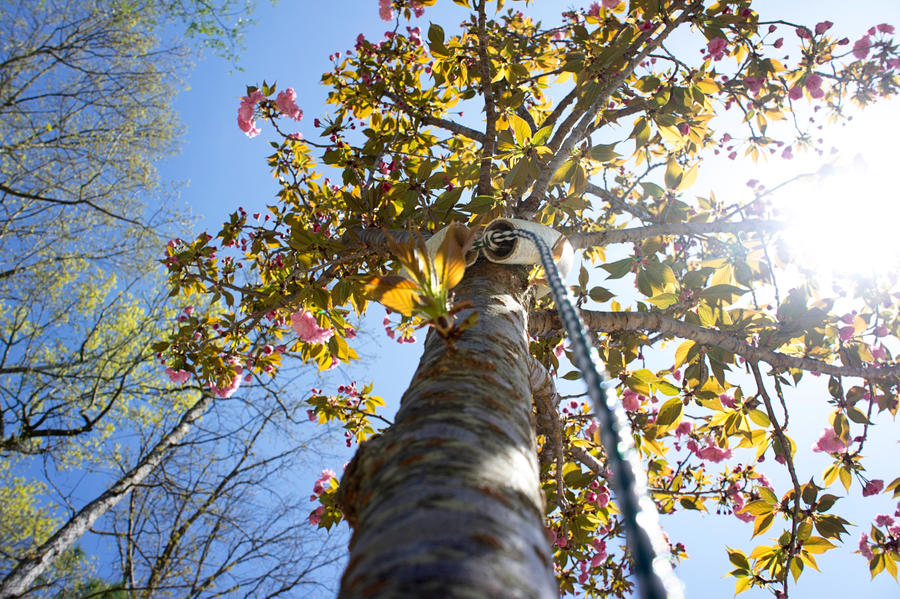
(844,220)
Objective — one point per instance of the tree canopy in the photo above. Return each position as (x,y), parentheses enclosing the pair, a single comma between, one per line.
(597,126)
(86,114)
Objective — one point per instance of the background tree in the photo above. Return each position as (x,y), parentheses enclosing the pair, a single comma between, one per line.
(462,448)
(86,93)
(223,513)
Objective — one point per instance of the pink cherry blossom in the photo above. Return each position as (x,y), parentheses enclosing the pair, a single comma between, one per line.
(754,84)
(309,331)
(823,27)
(602,498)
(599,546)
(683,429)
(873,487)
(787,153)
(559,349)
(814,85)
(716,48)
(287,104)
(845,333)
(334,363)
(727,400)
(795,92)
(813,81)
(883,520)
(611,3)
(738,500)
(246,111)
(631,401)
(864,548)
(885,28)
(226,392)
(714,453)
(385,11)
(316,516)
(178,376)
(594,10)
(829,442)
(591,428)
(861,47)
(417,8)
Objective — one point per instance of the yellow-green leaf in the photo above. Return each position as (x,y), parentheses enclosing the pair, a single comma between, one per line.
(669,413)
(521,130)
(673,174)
(450,259)
(394,292)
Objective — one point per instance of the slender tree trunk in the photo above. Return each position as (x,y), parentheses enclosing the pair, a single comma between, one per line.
(18,581)
(447,503)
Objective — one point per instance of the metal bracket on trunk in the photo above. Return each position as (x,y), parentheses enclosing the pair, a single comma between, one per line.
(520,251)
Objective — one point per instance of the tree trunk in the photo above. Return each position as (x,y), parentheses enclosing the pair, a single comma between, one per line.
(447,502)
(18,581)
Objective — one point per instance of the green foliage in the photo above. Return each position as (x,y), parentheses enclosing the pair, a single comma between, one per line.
(85,113)
(591,128)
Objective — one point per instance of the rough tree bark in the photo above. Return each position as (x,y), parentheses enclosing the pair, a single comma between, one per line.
(447,502)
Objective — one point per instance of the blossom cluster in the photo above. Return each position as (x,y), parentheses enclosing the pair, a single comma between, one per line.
(405,335)
(386,10)
(888,540)
(319,489)
(285,103)
(308,330)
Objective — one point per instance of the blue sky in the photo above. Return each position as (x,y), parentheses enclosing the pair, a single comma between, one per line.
(290,44)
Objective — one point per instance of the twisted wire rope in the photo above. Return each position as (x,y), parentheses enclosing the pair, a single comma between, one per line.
(649,550)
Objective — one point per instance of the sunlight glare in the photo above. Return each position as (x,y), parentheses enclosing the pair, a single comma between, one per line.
(845,221)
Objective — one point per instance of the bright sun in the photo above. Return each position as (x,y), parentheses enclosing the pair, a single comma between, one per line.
(846,220)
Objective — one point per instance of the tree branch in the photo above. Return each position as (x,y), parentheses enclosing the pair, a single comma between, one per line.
(635,234)
(427,119)
(18,580)
(547,321)
(490,133)
(789,463)
(530,205)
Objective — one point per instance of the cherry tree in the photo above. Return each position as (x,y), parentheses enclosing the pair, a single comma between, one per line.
(486,481)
